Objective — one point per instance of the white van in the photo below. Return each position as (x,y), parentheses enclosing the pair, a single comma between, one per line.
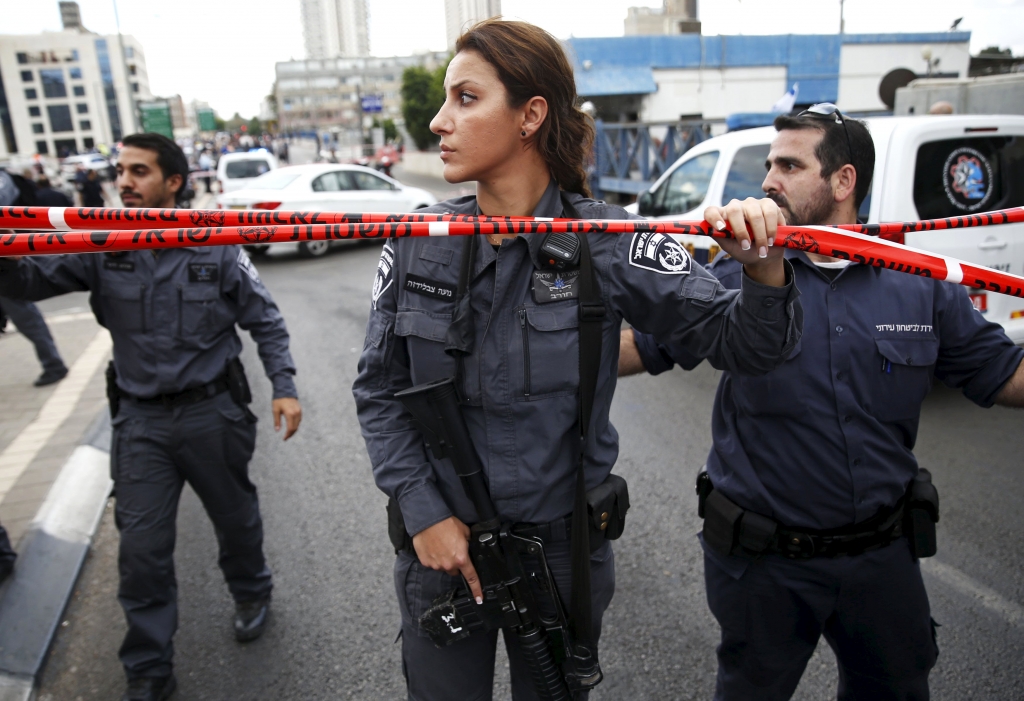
(914,162)
(236,170)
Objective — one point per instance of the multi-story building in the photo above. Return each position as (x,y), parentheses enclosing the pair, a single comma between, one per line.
(68,91)
(460,15)
(327,93)
(674,17)
(332,28)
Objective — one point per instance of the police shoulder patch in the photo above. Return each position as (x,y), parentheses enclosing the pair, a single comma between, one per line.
(385,273)
(246,266)
(659,253)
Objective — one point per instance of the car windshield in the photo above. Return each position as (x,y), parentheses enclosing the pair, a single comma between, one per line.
(274,180)
(686,186)
(246,169)
(746,173)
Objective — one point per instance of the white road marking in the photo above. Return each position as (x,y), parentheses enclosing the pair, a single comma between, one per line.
(1008,610)
(23,449)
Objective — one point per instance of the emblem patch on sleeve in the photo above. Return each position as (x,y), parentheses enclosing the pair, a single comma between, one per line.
(429,288)
(246,266)
(385,273)
(555,286)
(659,253)
(203,272)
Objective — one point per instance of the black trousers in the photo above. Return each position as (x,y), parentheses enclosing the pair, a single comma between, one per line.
(27,317)
(154,452)
(464,671)
(872,609)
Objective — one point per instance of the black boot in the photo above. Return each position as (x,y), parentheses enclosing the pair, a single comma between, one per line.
(50,376)
(251,618)
(150,688)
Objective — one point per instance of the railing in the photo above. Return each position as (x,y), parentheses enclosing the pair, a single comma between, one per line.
(628,158)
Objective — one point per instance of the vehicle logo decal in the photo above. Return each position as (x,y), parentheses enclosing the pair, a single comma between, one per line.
(967,178)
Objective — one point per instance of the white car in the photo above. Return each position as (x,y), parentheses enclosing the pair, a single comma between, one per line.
(89,161)
(236,171)
(910,182)
(326,187)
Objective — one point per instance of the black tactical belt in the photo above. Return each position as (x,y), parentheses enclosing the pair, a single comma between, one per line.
(802,545)
(185,397)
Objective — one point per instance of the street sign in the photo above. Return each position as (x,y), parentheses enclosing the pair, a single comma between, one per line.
(373,103)
(156,117)
(206,119)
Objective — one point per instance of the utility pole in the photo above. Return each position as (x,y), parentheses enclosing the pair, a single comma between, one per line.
(842,17)
(132,102)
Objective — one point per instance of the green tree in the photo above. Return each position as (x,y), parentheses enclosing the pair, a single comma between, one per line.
(390,130)
(422,97)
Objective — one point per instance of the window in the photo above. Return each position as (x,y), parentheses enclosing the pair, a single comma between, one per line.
(337,181)
(34,111)
(75,73)
(129,52)
(88,142)
(132,69)
(73,56)
(41,148)
(37,128)
(26,76)
(60,118)
(246,169)
(85,125)
(746,174)
(53,82)
(686,186)
(135,87)
(65,147)
(368,181)
(22,58)
(30,94)
(967,175)
(82,108)
(79,90)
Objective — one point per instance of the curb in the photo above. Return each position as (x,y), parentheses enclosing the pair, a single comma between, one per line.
(50,559)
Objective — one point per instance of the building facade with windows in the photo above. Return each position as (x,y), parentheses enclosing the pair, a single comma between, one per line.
(327,93)
(332,28)
(460,15)
(67,92)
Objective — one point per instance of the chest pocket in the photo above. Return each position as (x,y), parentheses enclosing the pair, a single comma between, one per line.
(544,357)
(124,307)
(904,376)
(202,314)
(776,393)
(424,335)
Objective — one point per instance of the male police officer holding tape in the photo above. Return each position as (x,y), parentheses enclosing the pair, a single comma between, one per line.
(179,404)
(819,531)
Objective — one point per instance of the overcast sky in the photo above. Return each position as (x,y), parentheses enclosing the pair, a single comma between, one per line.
(224,51)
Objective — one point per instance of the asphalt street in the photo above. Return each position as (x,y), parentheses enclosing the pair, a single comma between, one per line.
(335,617)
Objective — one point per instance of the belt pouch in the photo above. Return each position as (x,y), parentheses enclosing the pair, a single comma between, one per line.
(607,504)
(397,534)
(238,384)
(921,513)
(721,521)
(756,531)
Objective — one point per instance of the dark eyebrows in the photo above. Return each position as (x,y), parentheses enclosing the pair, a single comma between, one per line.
(461,84)
(785,161)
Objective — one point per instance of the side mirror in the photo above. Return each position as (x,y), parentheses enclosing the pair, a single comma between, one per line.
(645,204)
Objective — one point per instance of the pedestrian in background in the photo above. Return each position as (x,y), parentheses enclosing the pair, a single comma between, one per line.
(179,406)
(47,196)
(92,190)
(818,530)
(487,312)
(14,191)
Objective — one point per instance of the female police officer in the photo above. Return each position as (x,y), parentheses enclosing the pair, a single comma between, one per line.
(510,123)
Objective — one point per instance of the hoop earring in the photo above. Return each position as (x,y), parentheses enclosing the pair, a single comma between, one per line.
(523,132)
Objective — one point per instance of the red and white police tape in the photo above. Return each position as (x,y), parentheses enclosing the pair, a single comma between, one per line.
(169,228)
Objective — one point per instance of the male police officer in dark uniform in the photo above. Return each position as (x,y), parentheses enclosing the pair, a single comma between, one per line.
(834,428)
(182,413)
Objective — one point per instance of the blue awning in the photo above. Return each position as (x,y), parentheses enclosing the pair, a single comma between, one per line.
(614,81)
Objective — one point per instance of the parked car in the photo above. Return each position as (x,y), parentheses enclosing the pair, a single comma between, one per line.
(326,187)
(236,171)
(89,161)
(915,160)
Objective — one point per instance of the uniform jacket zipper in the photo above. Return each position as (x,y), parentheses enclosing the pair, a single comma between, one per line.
(526,352)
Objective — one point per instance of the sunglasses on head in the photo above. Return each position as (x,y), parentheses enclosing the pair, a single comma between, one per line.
(826,110)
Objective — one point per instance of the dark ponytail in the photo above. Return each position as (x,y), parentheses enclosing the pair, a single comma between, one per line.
(531,63)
